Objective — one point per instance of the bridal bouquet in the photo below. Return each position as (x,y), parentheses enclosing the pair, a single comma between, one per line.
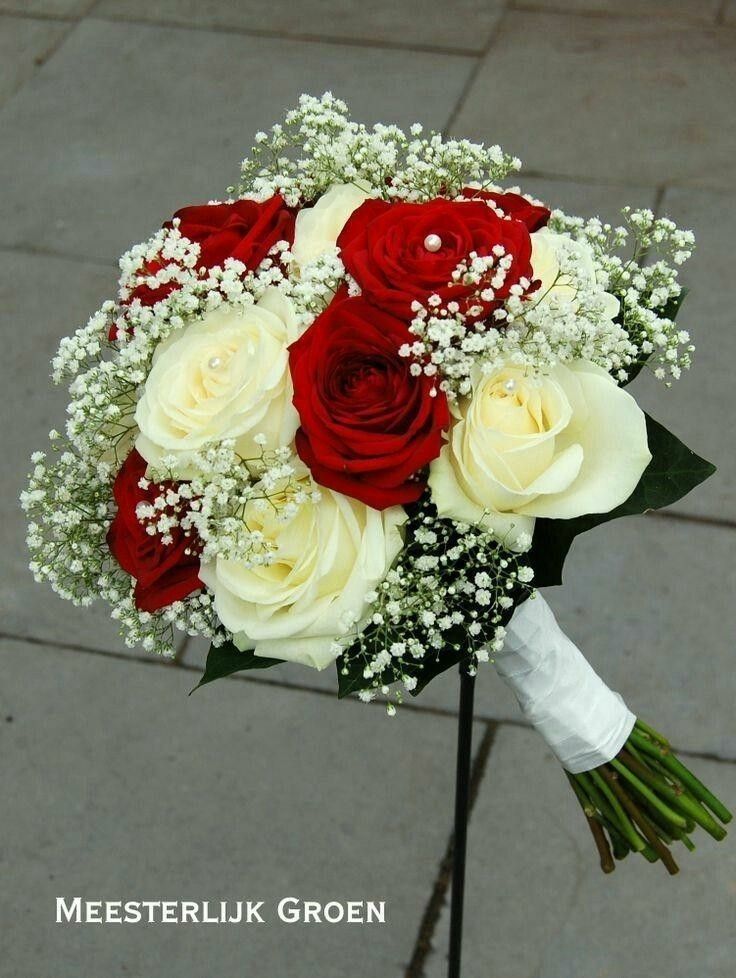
(356,414)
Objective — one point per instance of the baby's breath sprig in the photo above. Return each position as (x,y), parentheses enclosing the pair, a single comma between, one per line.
(637,261)
(318,145)
(449,593)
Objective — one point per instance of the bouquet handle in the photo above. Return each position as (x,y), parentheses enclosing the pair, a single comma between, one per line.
(462,808)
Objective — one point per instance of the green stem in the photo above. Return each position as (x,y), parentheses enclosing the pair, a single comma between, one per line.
(674,817)
(632,836)
(686,804)
(640,820)
(601,843)
(654,734)
(619,844)
(596,796)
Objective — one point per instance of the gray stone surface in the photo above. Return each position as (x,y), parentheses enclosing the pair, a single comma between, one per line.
(23,43)
(173,112)
(538,905)
(604,200)
(699,10)
(48,8)
(627,99)
(697,405)
(42,299)
(465,25)
(125,788)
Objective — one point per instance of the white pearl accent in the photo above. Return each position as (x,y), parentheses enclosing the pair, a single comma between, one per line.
(510,385)
(214,362)
(433,242)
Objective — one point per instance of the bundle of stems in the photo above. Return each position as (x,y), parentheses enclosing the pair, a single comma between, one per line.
(644,800)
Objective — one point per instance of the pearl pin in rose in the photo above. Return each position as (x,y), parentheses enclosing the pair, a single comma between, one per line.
(433,242)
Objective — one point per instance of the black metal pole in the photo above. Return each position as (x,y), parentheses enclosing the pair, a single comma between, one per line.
(462,800)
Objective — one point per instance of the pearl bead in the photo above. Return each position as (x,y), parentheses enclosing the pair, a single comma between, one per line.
(510,385)
(433,242)
(214,362)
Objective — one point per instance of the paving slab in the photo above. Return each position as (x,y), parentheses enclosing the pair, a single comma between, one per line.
(174,111)
(24,42)
(625,99)
(46,8)
(701,10)
(696,406)
(538,905)
(586,198)
(465,25)
(42,299)
(125,788)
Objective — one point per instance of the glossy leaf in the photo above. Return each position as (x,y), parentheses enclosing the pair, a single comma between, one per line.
(224,660)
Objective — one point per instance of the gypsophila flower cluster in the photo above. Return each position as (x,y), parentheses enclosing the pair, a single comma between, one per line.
(68,503)
(449,593)
(637,262)
(318,145)
(212,505)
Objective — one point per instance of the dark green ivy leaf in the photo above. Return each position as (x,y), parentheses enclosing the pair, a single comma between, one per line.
(673,471)
(224,660)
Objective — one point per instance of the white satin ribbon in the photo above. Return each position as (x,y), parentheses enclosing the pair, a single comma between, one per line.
(583,722)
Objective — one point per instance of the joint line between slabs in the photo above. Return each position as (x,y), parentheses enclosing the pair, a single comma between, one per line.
(34,251)
(62,39)
(473,74)
(530,7)
(410,705)
(443,880)
(296,37)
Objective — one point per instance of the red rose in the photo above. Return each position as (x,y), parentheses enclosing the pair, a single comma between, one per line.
(368,426)
(163,572)
(535,216)
(385,248)
(245,230)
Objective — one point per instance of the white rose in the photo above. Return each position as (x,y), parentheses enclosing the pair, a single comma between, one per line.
(318,228)
(549,251)
(560,445)
(225,376)
(327,558)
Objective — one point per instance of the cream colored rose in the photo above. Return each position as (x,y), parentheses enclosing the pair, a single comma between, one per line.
(549,250)
(560,445)
(327,558)
(226,376)
(318,228)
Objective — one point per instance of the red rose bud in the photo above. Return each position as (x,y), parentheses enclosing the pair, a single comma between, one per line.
(403,253)
(244,229)
(514,206)
(368,427)
(163,572)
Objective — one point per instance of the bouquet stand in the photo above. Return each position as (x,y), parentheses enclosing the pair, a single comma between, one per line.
(462,805)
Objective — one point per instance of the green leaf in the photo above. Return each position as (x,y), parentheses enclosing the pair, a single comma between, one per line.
(673,471)
(224,660)
(350,676)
